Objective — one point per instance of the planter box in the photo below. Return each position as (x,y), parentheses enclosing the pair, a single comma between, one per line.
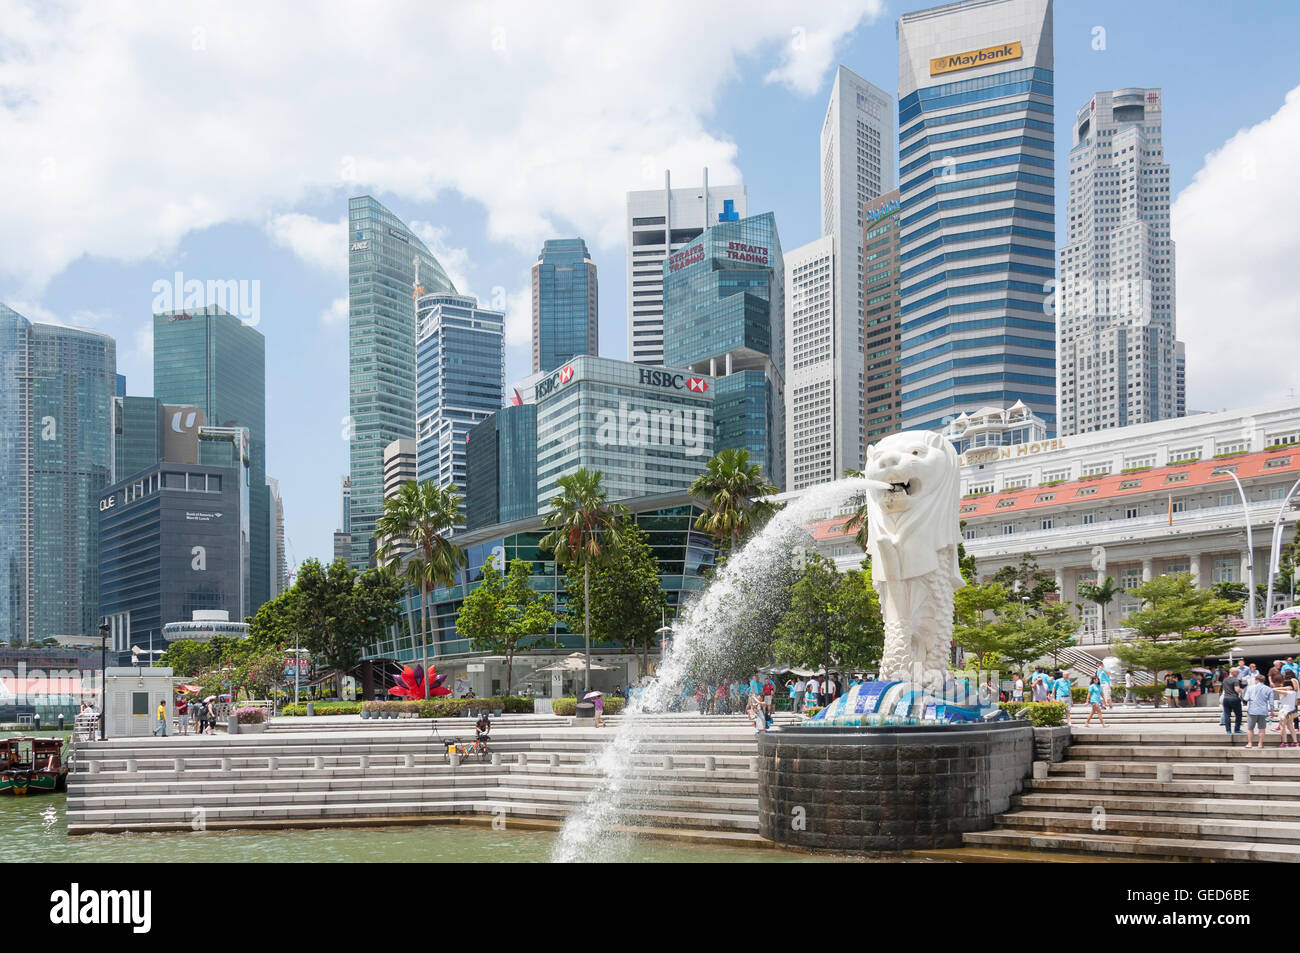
(252,729)
(1050,743)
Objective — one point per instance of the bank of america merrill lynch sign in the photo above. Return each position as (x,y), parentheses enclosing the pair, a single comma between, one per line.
(972,58)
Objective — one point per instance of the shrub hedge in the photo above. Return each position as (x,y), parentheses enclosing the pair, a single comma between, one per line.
(424,708)
(569,706)
(324,708)
(1039,714)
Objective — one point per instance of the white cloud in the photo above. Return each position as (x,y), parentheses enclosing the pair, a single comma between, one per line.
(1236,230)
(321,244)
(454,261)
(124,126)
(336,314)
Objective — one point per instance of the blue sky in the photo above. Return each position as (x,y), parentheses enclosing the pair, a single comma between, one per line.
(223,142)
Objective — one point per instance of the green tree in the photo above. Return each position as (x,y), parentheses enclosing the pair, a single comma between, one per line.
(732,490)
(422,515)
(584,528)
(627,600)
(1101,595)
(339,611)
(1177,625)
(824,603)
(857,522)
(274,624)
(1026,579)
(503,611)
(995,627)
(187,659)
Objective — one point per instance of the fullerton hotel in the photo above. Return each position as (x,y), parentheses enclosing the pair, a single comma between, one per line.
(1129,503)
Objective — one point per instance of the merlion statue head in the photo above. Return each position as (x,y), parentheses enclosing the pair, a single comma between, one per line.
(912,522)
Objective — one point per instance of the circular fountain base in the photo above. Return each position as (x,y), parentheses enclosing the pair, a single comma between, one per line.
(867,790)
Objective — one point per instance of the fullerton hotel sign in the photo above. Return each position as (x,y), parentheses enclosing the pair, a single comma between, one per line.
(984,455)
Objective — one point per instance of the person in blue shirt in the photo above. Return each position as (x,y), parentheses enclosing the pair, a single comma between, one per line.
(1103,679)
(1094,700)
(1061,687)
(1290,666)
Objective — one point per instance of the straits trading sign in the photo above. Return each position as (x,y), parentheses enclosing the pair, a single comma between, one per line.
(969,60)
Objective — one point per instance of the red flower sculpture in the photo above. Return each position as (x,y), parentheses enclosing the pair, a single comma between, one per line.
(411,684)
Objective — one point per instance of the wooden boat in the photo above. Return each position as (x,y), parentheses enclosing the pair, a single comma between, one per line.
(32,765)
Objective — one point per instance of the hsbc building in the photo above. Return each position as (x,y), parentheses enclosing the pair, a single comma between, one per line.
(649,430)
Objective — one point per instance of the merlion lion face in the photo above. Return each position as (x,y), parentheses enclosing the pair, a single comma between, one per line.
(915,464)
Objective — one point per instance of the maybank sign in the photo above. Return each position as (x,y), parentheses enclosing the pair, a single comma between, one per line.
(985,57)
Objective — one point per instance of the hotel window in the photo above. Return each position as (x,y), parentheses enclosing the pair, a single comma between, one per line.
(1096,469)
(1087,491)
(1047,524)
(1017,483)
(1003,504)
(1056,475)
(1132,463)
(1226,499)
(1179,506)
(1131,513)
(1176,478)
(1278,462)
(1008,529)
(1087,519)
(1130,484)
(1233,446)
(1225,570)
(1130,578)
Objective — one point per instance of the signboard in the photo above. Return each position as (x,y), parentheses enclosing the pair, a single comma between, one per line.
(473,667)
(990,454)
(687,256)
(739,251)
(972,58)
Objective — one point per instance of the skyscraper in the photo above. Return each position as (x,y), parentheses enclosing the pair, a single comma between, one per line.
(279,560)
(856,167)
(565,304)
(56,454)
(724,315)
(659,222)
(977,192)
(501,461)
(382,254)
(1117,354)
(813,453)
(210,359)
(460,381)
(880,289)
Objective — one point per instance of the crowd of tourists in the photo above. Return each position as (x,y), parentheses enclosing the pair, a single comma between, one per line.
(1262,697)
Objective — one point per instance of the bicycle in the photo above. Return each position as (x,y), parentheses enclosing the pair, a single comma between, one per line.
(478,747)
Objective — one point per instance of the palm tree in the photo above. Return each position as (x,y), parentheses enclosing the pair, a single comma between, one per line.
(858,521)
(422,514)
(584,527)
(732,489)
(1101,595)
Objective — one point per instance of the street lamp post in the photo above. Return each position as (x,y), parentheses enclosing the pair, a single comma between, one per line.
(1275,548)
(103,679)
(1250,546)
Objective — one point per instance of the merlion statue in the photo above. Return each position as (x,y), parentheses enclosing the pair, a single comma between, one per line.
(913,530)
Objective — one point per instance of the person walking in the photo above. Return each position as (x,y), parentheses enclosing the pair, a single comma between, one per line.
(162,719)
(1095,698)
(1171,690)
(1103,679)
(1287,694)
(1018,688)
(810,695)
(1259,699)
(1129,698)
(1041,692)
(1230,698)
(769,695)
(183,715)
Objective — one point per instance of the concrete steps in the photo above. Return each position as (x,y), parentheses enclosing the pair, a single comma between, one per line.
(1206,812)
(686,776)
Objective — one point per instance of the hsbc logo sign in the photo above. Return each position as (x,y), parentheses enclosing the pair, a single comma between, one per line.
(656,378)
(562,376)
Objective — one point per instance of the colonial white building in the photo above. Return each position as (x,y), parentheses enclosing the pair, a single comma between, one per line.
(1130,503)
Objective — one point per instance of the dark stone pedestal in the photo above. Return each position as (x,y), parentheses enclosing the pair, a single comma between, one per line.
(888,789)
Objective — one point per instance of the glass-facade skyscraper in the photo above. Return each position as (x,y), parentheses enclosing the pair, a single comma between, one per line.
(210,359)
(460,382)
(56,453)
(565,304)
(977,191)
(724,315)
(382,280)
(501,467)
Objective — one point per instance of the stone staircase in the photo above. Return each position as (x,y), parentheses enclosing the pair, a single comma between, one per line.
(698,780)
(1218,801)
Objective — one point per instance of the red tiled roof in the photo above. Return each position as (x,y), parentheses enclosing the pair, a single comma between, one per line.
(1108,488)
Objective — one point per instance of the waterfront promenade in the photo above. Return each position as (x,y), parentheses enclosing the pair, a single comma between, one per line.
(1154,785)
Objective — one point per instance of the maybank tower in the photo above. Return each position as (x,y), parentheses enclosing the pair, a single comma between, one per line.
(977,198)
